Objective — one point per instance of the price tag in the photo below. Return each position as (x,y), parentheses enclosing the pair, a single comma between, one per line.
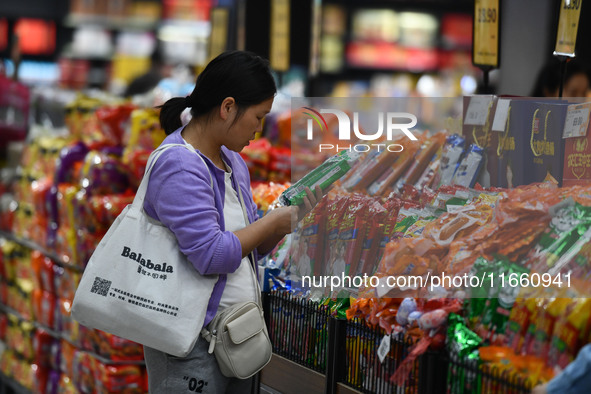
(279,48)
(218,38)
(384,348)
(477,112)
(577,120)
(485,49)
(501,114)
(568,25)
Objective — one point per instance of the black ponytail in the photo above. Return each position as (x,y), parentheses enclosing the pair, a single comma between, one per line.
(239,74)
(170,114)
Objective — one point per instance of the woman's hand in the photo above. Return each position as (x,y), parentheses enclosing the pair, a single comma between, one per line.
(310,201)
(540,389)
(277,223)
(283,218)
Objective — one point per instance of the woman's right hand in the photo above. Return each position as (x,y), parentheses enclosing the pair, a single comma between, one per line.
(284,219)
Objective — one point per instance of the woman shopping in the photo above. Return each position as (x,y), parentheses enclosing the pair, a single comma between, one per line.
(200,200)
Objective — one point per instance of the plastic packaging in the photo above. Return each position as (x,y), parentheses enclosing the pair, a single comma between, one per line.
(324,175)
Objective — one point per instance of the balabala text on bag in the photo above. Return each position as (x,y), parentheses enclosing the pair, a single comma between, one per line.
(146,263)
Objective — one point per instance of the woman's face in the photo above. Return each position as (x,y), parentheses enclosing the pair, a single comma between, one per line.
(576,86)
(243,130)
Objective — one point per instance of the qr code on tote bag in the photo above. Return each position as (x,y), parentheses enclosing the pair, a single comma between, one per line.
(101,286)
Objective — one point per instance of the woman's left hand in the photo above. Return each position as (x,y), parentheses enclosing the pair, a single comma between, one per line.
(310,201)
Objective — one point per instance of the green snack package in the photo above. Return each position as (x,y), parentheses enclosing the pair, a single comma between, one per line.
(479,296)
(502,298)
(569,223)
(338,306)
(324,175)
(463,345)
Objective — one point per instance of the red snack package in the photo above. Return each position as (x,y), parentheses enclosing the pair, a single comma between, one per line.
(347,251)
(47,275)
(336,203)
(113,121)
(39,379)
(280,164)
(570,332)
(311,242)
(118,378)
(377,215)
(44,307)
(545,321)
(42,342)
(519,321)
(39,190)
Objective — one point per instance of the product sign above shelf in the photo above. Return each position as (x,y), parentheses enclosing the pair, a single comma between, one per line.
(110,22)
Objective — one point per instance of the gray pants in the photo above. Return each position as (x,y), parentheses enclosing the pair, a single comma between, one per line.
(196,373)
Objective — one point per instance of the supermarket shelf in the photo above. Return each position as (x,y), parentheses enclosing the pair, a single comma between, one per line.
(111,22)
(288,377)
(58,335)
(34,246)
(343,389)
(10,386)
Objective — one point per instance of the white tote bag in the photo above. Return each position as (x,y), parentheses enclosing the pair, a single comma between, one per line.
(138,285)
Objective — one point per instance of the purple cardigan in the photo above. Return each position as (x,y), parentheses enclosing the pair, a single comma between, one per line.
(180,196)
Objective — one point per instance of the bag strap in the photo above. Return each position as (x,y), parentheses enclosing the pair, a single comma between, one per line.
(138,200)
(252,259)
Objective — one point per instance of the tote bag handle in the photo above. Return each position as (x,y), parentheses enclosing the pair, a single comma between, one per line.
(138,201)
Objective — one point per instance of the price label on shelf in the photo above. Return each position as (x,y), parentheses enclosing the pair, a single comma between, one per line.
(501,114)
(577,120)
(485,49)
(384,348)
(218,38)
(478,109)
(279,46)
(568,25)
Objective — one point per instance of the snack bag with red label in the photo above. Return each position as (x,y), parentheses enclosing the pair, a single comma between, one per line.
(374,234)
(518,323)
(257,158)
(280,164)
(335,208)
(570,332)
(539,344)
(113,121)
(310,244)
(347,251)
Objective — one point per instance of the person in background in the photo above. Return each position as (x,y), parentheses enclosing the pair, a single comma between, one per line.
(576,80)
(149,80)
(574,379)
(230,100)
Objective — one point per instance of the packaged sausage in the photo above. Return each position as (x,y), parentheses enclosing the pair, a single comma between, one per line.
(324,175)
(347,251)
(421,160)
(383,184)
